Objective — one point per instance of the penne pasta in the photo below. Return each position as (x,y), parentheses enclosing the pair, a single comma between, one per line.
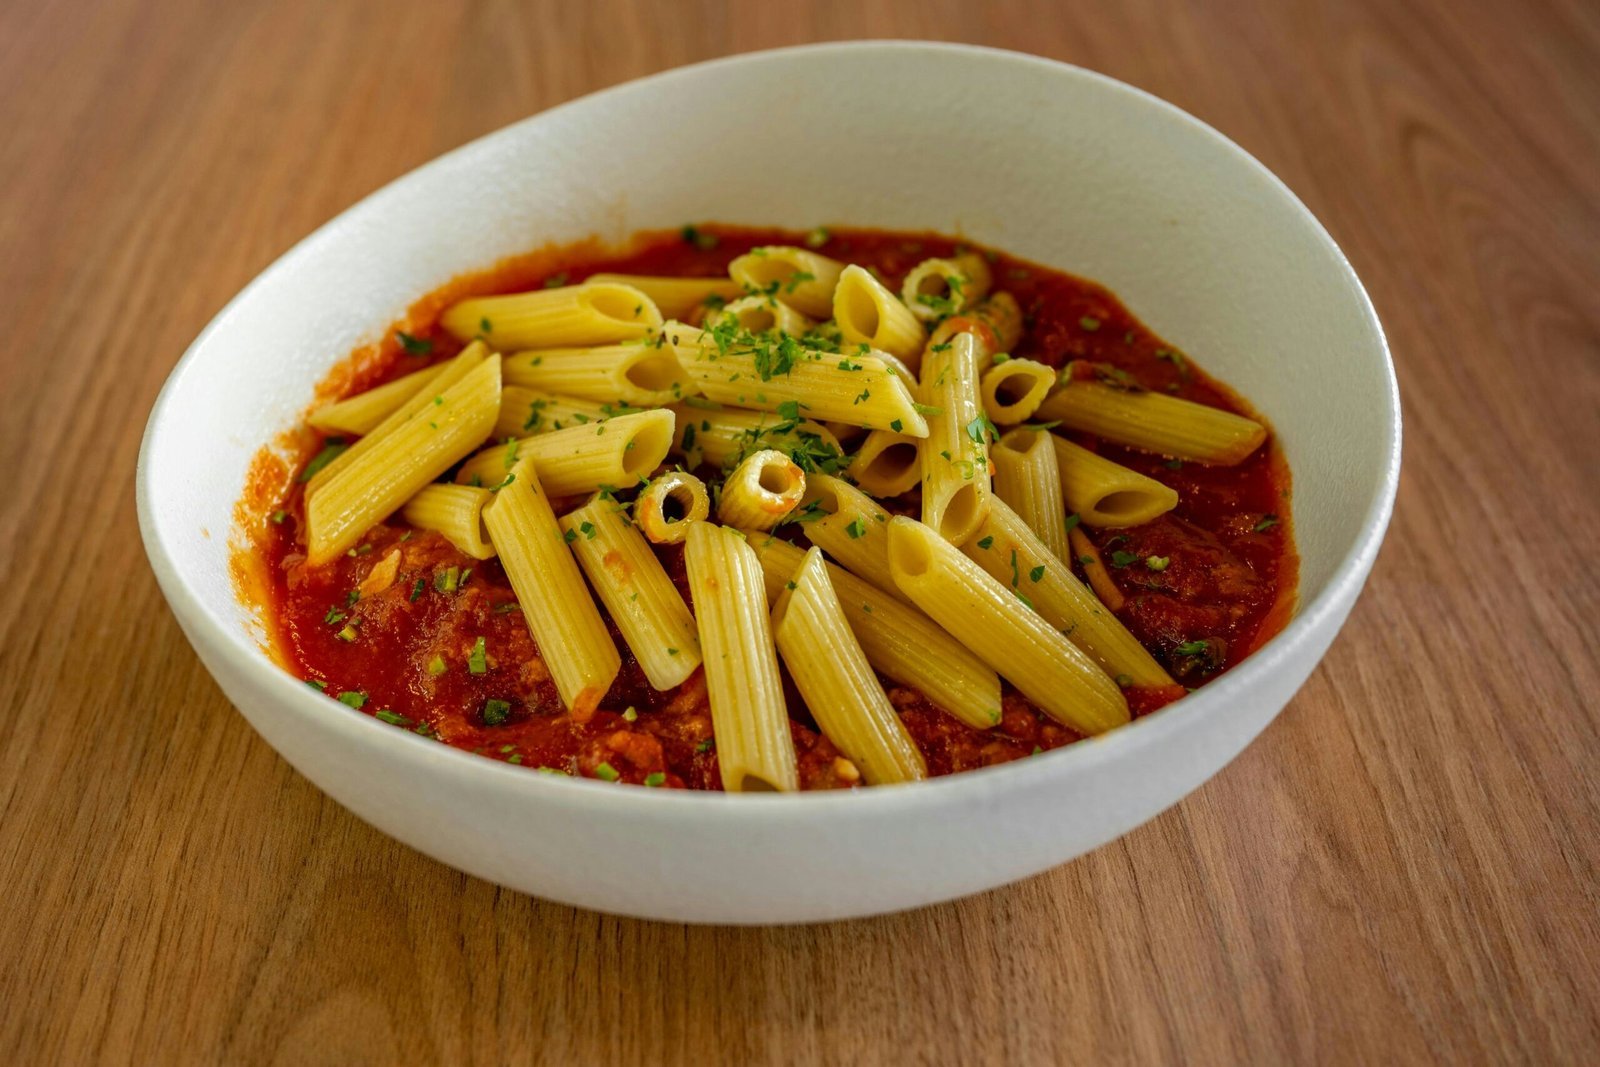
(710,433)
(1094,569)
(1012,554)
(665,508)
(955,464)
(1154,422)
(363,412)
(640,375)
(1013,389)
(675,298)
(803,280)
(1103,493)
(849,526)
(996,322)
(750,371)
(755,748)
(762,489)
(869,314)
(636,591)
(762,314)
(1018,643)
(570,316)
(899,641)
(887,464)
(836,681)
(1027,479)
(614,454)
(363,493)
(525,411)
(456,511)
(935,288)
(560,612)
(848,435)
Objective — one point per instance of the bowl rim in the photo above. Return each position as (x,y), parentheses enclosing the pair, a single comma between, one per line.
(289,694)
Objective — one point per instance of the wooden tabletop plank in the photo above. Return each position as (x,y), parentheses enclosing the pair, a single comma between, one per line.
(1403,867)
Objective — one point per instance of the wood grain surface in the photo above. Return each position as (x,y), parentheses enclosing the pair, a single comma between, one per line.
(1402,869)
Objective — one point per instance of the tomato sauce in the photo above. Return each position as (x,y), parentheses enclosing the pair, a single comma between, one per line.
(409,629)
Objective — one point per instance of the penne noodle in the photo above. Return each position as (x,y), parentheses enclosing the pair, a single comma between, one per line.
(525,411)
(899,641)
(363,412)
(996,322)
(836,681)
(762,314)
(456,511)
(570,316)
(560,612)
(1013,389)
(1094,569)
(848,435)
(675,298)
(803,280)
(762,489)
(640,375)
(755,748)
(935,288)
(849,526)
(1103,493)
(1018,643)
(869,314)
(710,433)
(636,591)
(887,464)
(955,464)
(614,454)
(1013,554)
(665,508)
(1154,422)
(766,374)
(1027,479)
(361,494)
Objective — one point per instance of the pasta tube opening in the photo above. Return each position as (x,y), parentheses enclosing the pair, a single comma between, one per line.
(1014,389)
(762,314)
(665,508)
(868,313)
(1104,493)
(762,489)
(887,463)
(938,287)
(803,280)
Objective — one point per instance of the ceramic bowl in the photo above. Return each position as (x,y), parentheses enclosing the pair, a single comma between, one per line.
(1049,162)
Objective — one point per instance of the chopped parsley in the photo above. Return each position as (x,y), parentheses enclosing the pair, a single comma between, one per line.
(1036,574)
(1119,558)
(391,718)
(478,658)
(1193,648)
(894,424)
(1267,522)
(415,346)
(606,772)
(817,237)
(278,517)
(496,712)
(353,699)
(436,666)
(418,589)
(1089,323)
(857,528)
(986,542)
(655,779)
(707,745)
(330,452)
(570,536)
(1157,563)
(589,530)
(1073,520)
(703,241)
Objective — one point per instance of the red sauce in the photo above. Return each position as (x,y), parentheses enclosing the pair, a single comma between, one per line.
(1228,584)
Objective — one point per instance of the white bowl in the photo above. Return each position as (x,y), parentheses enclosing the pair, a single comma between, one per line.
(1047,161)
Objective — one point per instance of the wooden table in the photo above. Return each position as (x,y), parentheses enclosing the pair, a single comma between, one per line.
(1404,868)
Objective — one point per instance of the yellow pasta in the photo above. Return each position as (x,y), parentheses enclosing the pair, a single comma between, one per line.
(640,597)
(997,322)
(1013,389)
(955,464)
(710,433)
(1088,556)
(887,463)
(1103,493)
(1154,422)
(456,511)
(761,314)
(1026,478)
(571,316)
(766,374)
(868,313)
(1025,649)
(665,508)
(557,607)
(803,280)
(616,454)
(525,412)
(836,681)
(755,750)
(341,509)
(1013,555)
(762,489)
(935,288)
(362,413)
(640,375)
(675,298)
(850,527)
(899,641)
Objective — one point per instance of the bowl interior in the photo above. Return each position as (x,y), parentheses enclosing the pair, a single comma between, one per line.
(1051,163)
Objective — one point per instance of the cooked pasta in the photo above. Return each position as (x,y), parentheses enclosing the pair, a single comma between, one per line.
(556,605)
(1153,421)
(720,436)
(569,316)
(675,298)
(636,591)
(1103,493)
(1094,569)
(850,527)
(834,678)
(803,280)
(525,412)
(1013,389)
(955,463)
(762,489)
(755,750)
(665,508)
(1018,643)
(456,511)
(935,288)
(614,454)
(1026,478)
(363,412)
(640,375)
(996,322)
(762,314)
(887,463)
(869,314)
